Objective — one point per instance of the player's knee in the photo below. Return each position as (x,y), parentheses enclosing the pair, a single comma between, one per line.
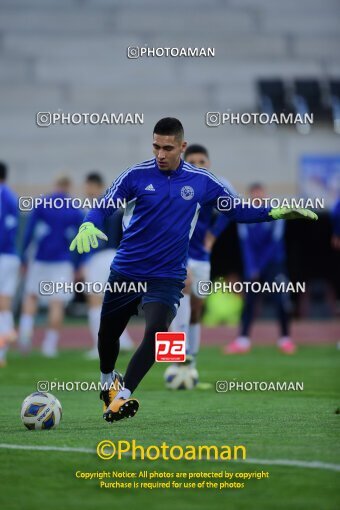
(106,333)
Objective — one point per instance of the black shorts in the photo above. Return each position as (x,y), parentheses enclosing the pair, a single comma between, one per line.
(126,293)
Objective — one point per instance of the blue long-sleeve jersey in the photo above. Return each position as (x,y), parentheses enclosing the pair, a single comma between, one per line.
(9,220)
(52,230)
(261,245)
(161,214)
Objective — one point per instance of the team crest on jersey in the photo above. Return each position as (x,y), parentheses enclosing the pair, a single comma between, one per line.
(187,192)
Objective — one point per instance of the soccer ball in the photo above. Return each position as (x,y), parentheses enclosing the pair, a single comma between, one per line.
(41,411)
(180,377)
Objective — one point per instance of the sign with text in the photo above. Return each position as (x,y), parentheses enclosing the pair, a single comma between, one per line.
(170,346)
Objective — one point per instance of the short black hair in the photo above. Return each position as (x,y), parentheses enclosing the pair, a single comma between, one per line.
(3,171)
(256,185)
(195,148)
(169,126)
(96,178)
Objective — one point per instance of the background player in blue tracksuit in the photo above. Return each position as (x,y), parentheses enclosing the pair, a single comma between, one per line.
(48,233)
(164,196)
(9,261)
(189,313)
(264,259)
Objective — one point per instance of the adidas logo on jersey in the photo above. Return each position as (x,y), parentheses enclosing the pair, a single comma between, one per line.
(150,188)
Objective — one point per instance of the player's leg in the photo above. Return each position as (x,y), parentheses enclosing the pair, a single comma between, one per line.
(276,273)
(56,310)
(9,270)
(195,325)
(94,307)
(97,269)
(242,344)
(111,327)
(35,274)
(56,272)
(160,303)
(158,317)
(117,309)
(182,320)
(94,313)
(9,273)
(200,271)
(6,327)
(26,322)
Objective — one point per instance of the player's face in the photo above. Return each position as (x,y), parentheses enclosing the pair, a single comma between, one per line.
(258,193)
(168,150)
(93,190)
(198,159)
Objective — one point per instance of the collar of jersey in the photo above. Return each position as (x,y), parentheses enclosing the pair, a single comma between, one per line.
(170,173)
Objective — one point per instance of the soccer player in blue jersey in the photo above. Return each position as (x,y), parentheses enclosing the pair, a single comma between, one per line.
(9,261)
(189,313)
(164,196)
(96,267)
(48,231)
(264,259)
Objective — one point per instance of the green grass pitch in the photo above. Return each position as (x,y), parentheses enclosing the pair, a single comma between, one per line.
(288,425)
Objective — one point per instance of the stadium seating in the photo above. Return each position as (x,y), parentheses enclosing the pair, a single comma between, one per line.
(71,55)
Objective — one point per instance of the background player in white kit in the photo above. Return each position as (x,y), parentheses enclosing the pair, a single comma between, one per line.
(48,232)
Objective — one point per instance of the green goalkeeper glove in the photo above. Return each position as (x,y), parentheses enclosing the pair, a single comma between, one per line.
(291,213)
(86,238)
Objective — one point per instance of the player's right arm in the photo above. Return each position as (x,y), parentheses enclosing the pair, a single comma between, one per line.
(241,213)
(89,231)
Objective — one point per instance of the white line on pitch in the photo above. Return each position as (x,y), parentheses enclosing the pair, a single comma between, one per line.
(313,464)
(46,448)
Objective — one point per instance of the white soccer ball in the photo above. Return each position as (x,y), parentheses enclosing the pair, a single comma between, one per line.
(180,377)
(41,411)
